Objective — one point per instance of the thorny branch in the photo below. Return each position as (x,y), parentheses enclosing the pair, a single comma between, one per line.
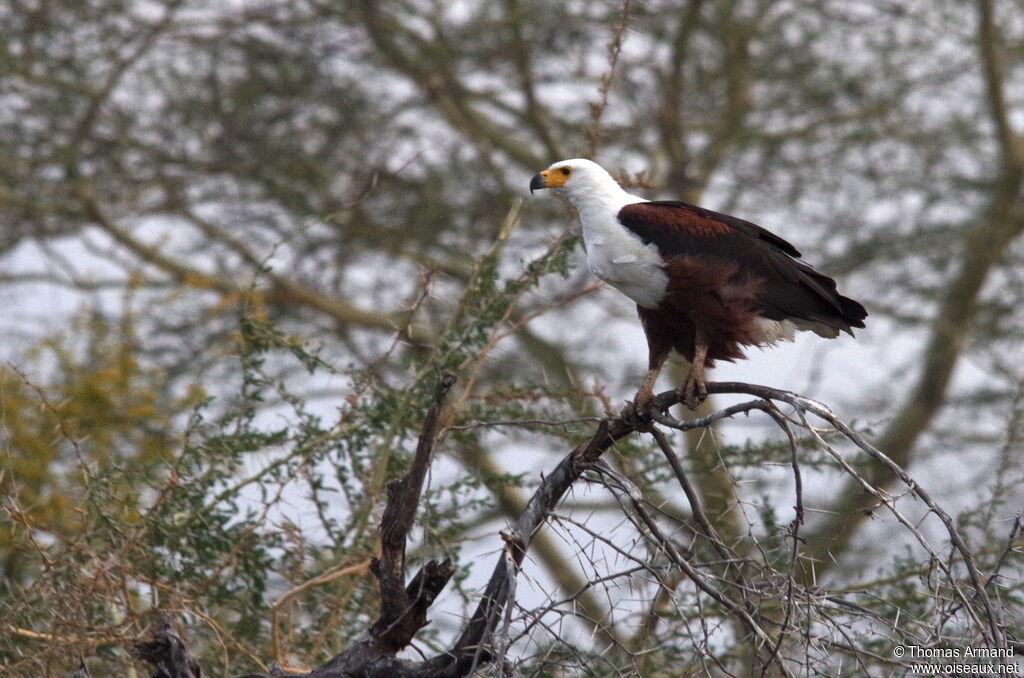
(597,109)
(404,607)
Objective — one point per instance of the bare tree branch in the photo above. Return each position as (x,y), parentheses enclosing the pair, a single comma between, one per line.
(989,42)
(396,626)
(403,609)
(802,404)
(167,653)
(282,290)
(597,109)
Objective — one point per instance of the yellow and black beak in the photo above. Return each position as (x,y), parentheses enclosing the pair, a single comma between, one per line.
(550,178)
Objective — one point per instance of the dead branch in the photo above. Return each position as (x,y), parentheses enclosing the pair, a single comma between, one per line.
(167,653)
(403,609)
(397,624)
(708,530)
(597,109)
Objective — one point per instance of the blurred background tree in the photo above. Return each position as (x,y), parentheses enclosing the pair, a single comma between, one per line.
(202,202)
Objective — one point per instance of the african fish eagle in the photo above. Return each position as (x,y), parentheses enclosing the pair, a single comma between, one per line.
(704,283)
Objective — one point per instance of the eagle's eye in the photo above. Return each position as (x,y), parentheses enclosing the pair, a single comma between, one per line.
(566,171)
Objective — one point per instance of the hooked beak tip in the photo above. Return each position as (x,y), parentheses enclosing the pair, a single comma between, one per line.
(537,182)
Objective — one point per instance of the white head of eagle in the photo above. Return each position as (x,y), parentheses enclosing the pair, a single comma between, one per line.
(581,181)
(706,284)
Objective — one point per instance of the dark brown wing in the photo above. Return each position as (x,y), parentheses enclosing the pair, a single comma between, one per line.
(791,289)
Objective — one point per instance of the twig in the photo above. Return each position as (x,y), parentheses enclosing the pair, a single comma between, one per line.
(403,610)
(329,576)
(64,640)
(819,410)
(709,531)
(666,545)
(597,109)
(798,520)
(564,423)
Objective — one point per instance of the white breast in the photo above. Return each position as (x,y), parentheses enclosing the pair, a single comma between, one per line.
(619,257)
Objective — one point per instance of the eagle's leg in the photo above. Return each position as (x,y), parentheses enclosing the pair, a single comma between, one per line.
(656,358)
(646,392)
(694,390)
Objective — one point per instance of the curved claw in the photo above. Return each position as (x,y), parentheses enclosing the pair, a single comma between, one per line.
(694,391)
(636,411)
